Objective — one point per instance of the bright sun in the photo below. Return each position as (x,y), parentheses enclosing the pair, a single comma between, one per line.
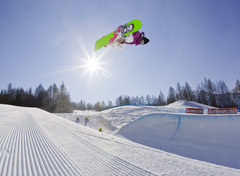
(92,65)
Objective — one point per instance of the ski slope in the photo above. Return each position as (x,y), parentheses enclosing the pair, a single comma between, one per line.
(35,142)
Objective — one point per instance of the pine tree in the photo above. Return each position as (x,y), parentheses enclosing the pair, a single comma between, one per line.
(224,97)
(141,100)
(110,105)
(189,93)
(161,99)
(119,101)
(126,99)
(48,103)
(103,104)
(154,100)
(98,106)
(90,106)
(171,95)
(63,100)
(179,93)
(55,93)
(148,100)
(39,94)
(211,88)
(10,97)
(237,88)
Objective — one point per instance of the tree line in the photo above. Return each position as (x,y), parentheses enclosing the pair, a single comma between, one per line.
(207,92)
(57,99)
(53,99)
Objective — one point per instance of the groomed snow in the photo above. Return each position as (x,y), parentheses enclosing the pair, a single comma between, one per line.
(35,142)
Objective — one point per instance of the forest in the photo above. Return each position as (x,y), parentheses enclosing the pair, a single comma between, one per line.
(57,99)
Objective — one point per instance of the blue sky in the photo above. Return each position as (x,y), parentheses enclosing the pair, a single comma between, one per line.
(47,42)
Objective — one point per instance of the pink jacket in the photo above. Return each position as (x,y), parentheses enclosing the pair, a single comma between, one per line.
(137,37)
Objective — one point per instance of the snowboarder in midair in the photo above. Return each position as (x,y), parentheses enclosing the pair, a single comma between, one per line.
(124,34)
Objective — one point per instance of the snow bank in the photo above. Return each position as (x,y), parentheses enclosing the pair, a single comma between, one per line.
(182,104)
(211,138)
(115,118)
(95,120)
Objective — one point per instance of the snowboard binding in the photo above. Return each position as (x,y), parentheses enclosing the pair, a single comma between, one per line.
(126,28)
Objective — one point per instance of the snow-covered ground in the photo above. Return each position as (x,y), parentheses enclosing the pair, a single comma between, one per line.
(188,104)
(213,138)
(35,142)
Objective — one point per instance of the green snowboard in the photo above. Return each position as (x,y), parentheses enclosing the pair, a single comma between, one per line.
(125,30)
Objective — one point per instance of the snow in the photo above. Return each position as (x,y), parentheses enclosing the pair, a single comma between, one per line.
(212,138)
(35,142)
(188,104)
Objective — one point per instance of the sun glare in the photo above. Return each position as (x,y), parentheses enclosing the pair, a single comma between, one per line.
(92,65)
(87,63)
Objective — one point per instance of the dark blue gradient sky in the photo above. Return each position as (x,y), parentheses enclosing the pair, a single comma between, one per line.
(47,42)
